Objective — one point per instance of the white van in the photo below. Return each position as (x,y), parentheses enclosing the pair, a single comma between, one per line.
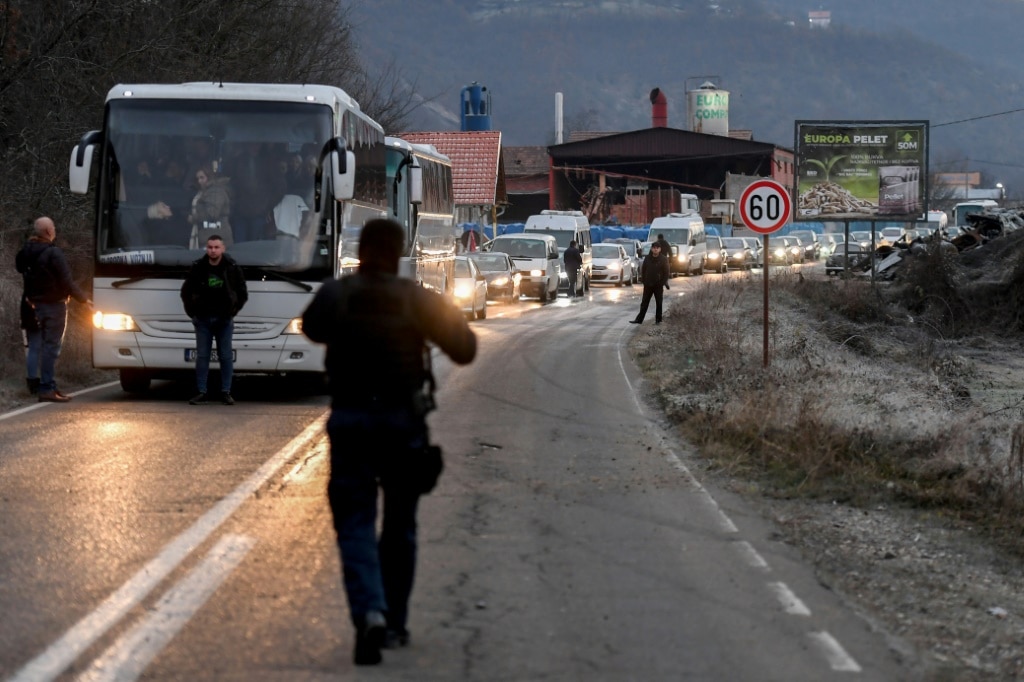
(685,230)
(537,257)
(567,226)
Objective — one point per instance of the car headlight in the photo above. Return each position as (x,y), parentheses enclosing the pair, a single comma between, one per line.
(500,281)
(614,266)
(349,262)
(680,258)
(294,327)
(780,253)
(714,255)
(561,275)
(118,322)
(539,273)
(463,291)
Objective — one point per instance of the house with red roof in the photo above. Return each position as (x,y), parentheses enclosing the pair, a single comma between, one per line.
(478,173)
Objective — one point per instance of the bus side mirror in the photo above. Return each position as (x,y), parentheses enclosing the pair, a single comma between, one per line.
(80,165)
(415,183)
(343,174)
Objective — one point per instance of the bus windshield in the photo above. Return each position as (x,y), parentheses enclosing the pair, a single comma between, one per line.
(175,171)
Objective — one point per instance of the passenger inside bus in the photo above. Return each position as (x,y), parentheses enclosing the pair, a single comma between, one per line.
(258,183)
(153,205)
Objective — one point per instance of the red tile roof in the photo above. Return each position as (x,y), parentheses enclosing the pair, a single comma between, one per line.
(478,174)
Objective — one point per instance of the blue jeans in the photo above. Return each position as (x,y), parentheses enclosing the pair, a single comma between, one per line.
(33,353)
(53,320)
(207,330)
(367,451)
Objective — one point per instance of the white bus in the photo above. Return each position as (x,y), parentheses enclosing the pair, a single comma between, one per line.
(422,200)
(304,168)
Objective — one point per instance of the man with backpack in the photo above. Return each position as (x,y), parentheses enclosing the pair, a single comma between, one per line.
(48,286)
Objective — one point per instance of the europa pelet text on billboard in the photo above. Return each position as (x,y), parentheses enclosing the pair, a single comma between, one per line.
(861,170)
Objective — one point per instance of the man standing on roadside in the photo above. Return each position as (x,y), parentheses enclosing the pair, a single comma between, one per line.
(376,326)
(213,292)
(654,273)
(573,260)
(666,248)
(48,286)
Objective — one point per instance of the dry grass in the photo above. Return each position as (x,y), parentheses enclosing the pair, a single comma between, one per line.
(863,401)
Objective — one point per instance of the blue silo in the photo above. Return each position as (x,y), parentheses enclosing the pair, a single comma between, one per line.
(476,107)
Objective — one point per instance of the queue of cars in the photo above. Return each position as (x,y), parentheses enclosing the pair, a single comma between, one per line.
(530,263)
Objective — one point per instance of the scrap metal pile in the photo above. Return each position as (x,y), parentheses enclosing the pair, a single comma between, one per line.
(977,245)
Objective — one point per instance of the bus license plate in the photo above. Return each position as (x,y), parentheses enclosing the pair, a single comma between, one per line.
(190,355)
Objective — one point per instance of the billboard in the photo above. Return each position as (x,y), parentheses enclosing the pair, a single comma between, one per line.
(861,170)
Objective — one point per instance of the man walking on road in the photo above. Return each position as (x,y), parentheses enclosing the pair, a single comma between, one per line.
(213,292)
(48,286)
(573,260)
(654,273)
(376,326)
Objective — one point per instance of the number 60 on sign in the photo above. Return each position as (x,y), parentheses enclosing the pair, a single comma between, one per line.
(765,206)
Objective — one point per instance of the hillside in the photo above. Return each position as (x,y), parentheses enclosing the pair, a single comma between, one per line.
(880,59)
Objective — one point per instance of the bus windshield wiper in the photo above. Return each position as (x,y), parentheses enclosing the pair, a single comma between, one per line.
(131,280)
(283,278)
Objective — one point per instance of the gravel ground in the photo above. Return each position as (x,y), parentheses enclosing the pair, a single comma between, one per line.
(934,583)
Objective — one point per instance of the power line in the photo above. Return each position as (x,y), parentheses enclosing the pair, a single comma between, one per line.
(977,118)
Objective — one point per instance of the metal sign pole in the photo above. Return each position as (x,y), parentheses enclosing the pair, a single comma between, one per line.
(764,266)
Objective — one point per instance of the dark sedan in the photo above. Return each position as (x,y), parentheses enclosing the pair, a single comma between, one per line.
(739,254)
(852,256)
(503,277)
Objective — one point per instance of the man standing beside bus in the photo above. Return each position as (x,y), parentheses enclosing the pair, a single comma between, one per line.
(213,292)
(376,326)
(48,286)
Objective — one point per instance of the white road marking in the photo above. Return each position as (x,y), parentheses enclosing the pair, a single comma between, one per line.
(837,657)
(62,653)
(791,604)
(132,653)
(752,556)
(36,406)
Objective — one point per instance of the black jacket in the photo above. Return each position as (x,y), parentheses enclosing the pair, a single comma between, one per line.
(654,271)
(573,259)
(46,273)
(201,301)
(376,327)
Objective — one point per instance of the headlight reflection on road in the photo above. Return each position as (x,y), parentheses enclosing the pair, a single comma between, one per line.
(109,429)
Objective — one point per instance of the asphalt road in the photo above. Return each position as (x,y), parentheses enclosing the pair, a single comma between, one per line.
(567,539)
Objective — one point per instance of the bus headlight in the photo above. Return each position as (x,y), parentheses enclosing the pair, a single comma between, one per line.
(117,322)
(294,327)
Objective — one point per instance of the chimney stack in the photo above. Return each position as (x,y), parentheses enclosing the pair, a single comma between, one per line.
(659,109)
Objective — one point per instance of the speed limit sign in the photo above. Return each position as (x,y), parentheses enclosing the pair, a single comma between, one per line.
(765,206)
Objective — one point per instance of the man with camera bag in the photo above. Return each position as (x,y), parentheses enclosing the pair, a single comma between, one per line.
(376,326)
